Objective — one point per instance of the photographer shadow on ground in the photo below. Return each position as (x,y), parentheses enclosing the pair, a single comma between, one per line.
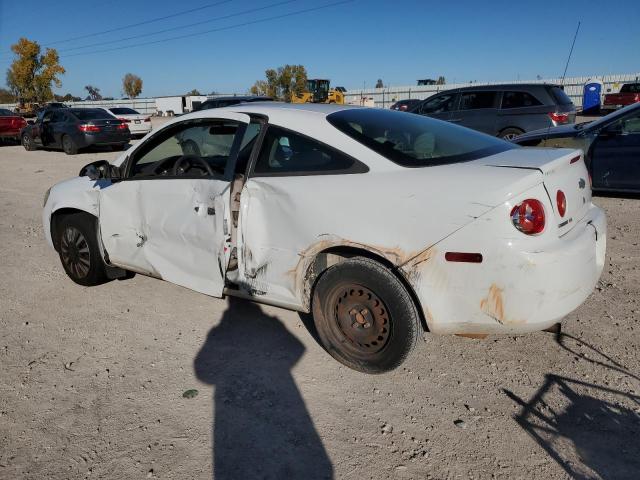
(261,426)
(599,423)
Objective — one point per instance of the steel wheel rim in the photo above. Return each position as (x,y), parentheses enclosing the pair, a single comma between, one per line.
(26,141)
(362,319)
(74,250)
(509,136)
(66,144)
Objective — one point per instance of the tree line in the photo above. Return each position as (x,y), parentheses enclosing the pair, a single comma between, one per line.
(33,74)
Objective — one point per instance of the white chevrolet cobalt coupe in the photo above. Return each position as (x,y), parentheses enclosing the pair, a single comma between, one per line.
(380,223)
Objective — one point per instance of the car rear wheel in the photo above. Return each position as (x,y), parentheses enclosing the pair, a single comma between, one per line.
(510,133)
(27,142)
(69,146)
(364,315)
(79,251)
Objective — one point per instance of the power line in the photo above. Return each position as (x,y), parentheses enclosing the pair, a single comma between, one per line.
(180,27)
(229,27)
(145,22)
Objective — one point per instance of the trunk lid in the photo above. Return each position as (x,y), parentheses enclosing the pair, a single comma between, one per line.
(563,170)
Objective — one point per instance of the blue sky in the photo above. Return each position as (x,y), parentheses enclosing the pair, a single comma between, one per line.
(352,44)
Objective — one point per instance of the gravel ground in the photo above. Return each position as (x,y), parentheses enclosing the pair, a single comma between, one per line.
(92,379)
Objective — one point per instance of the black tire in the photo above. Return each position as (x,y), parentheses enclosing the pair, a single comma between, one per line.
(189,147)
(27,142)
(364,316)
(68,145)
(78,249)
(509,134)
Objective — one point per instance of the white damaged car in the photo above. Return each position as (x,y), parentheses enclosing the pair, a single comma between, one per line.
(381,223)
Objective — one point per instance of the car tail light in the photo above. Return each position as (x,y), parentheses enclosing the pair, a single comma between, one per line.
(122,126)
(148,119)
(561,202)
(575,160)
(124,120)
(528,216)
(559,117)
(87,127)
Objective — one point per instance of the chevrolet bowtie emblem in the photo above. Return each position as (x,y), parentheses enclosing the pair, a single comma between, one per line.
(582,183)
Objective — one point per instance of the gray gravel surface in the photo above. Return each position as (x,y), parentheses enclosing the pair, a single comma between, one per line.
(92,379)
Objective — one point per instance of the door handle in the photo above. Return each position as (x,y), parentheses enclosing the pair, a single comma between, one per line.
(208,210)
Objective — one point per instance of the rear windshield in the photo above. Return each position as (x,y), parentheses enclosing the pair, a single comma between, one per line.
(415,140)
(6,113)
(124,111)
(630,88)
(560,97)
(91,114)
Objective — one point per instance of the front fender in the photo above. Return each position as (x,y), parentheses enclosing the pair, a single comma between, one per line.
(79,193)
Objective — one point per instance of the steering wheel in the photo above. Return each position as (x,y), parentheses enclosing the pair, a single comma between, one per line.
(190,160)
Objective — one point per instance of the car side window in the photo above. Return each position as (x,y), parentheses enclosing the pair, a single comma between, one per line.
(518,100)
(437,104)
(631,124)
(477,100)
(192,144)
(47,116)
(285,153)
(57,116)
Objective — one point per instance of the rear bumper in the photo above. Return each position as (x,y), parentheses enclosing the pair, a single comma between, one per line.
(139,128)
(512,290)
(105,139)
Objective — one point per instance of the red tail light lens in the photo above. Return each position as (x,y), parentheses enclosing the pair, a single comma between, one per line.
(559,117)
(561,202)
(88,128)
(148,119)
(528,216)
(124,120)
(122,126)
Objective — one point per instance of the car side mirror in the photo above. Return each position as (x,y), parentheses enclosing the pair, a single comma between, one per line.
(611,130)
(101,169)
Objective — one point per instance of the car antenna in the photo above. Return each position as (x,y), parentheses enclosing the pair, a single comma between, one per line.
(564,74)
(569,57)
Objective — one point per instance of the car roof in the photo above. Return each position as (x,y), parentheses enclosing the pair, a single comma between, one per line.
(502,86)
(238,97)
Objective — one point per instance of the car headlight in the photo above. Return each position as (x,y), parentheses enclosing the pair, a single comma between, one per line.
(46,197)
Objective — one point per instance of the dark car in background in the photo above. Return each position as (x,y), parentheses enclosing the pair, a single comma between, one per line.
(405,105)
(504,111)
(71,129)
(220,102)
(11,124)
(611,146)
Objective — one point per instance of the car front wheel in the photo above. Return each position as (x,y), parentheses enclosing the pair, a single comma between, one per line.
(79,251)
(364,315)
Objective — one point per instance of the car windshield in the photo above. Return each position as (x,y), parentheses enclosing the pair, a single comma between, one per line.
(613,116)
(415,140)
(124,111)
(91,114)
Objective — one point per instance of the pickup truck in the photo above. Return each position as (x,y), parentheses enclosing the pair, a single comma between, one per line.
(629,93)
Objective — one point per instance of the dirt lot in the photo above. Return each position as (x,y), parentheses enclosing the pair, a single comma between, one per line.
(92,379)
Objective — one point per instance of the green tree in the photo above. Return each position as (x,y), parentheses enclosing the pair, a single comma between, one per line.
(282,83)
(32,74)
(132,85)
(94,93)
(194,92)
(441,80)
(379,83)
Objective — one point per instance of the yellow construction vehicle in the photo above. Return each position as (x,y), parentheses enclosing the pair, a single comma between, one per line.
(319,91)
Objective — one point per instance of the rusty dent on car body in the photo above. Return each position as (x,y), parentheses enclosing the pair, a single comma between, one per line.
(315,259)
(493,304)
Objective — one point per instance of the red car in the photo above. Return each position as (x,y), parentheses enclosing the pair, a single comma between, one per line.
(10,125)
